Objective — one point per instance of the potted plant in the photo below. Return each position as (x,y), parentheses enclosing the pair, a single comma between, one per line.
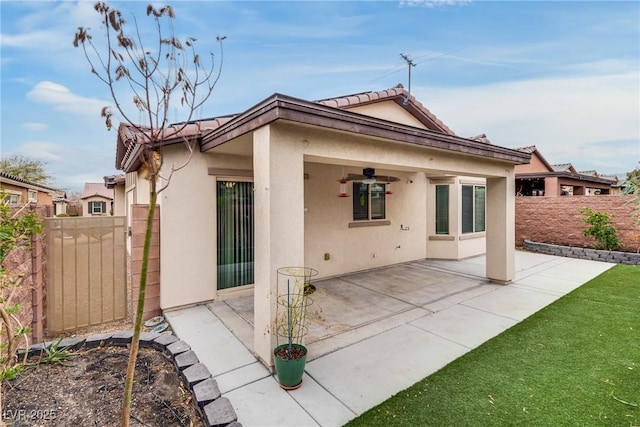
(290,354)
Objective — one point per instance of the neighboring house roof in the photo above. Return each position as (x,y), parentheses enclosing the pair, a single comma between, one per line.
(564,167)
(332,113)
(563,170)
(531,149)
(96,189)
(613,178)
(11,179)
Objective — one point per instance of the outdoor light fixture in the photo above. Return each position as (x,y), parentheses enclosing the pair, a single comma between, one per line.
(343,188)
(369,181)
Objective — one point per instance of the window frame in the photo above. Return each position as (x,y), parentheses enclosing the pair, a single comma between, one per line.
(379,194)
(472,220)
(12,197)
(102,205)
(442,220)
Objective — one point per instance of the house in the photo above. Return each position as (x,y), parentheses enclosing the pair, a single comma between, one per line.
(21,191)
(539,178)
(97,199)
(341,185)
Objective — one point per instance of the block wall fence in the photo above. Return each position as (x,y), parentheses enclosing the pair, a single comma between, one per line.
(558,221)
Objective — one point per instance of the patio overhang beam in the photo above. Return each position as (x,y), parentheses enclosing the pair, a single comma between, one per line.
(281,107)
(568,175)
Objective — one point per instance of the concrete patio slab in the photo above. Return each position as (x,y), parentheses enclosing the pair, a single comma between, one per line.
(323,407)
(466,326)
(430,312)
(264,403)
(242,376)
(511,302)
(214,344)
(329,344)
(410,283)
(369,372)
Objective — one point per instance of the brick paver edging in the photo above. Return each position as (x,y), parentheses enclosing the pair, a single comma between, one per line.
(216,411)
(583,253)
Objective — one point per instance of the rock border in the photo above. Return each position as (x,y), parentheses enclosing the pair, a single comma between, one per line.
(583,253)
(216,411)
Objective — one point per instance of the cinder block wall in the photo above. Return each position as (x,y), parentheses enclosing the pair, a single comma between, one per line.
(558,220)
(138,229)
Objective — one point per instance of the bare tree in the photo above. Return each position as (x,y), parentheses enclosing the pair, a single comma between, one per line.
(154,73)
(25,168)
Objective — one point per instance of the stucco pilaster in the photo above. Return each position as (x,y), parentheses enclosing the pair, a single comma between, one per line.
(279,225)
(500,222)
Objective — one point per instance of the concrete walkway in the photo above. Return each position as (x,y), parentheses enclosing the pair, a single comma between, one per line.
(430,312)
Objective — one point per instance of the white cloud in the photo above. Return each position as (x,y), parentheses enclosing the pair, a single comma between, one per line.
(561,116)
(62,99)
(34,126)
(28,40)
(45,151)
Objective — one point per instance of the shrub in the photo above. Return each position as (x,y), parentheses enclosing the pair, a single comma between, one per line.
(601,228)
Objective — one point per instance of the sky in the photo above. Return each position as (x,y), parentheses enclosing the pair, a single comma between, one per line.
(561,75)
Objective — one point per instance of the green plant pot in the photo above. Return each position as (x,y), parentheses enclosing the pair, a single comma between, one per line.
(289,372)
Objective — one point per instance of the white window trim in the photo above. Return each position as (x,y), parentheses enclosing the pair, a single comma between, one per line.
(474,233)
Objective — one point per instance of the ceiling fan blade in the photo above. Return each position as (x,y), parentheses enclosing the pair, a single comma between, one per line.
(354,177)
(385,178)
(379,178)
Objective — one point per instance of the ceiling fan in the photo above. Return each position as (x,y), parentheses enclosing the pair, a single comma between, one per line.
(369,177)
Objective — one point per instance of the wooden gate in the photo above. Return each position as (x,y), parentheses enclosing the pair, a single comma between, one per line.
(86,272)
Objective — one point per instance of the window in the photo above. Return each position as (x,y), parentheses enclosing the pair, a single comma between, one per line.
(97,208)
(12,198)
(368,201)
(442,209)
(32,196)
(473,208)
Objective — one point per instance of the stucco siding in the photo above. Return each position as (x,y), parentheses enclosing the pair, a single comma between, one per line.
(327,219)
(187,232)
(388,110)
(536,165)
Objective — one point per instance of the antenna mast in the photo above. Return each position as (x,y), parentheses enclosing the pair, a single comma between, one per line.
(410,64)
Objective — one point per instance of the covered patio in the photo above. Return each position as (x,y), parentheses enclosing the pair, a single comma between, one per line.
(373,333)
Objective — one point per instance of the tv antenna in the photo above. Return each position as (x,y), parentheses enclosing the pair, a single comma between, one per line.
(410,64)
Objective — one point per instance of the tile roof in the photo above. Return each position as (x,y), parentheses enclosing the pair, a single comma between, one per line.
(130,137)
(481,138)
(613,178)
(398,94)
(562,167)
(6,176)
(92,189)
(529,149)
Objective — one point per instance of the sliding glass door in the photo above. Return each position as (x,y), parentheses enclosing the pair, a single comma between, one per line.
(235,233)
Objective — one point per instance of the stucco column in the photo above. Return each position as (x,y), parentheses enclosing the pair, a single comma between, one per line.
(551,186)
(500,221)
(278,173)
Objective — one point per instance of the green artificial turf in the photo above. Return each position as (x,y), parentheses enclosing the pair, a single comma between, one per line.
(574,363)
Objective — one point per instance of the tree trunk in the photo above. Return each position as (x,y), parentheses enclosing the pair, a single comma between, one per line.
(135,340)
